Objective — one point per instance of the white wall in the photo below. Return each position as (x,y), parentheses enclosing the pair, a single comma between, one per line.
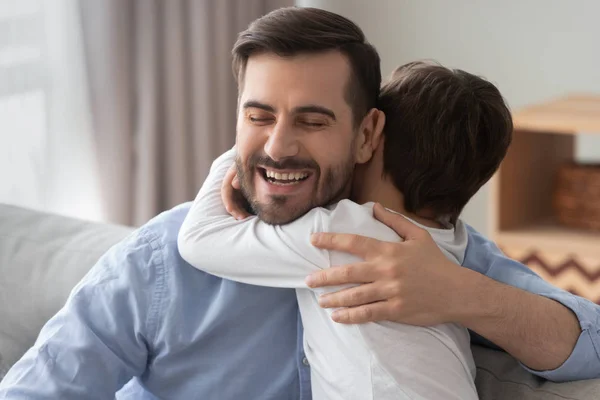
(532,49)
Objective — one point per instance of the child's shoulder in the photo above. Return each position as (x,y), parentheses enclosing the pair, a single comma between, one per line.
(350,212)
(347,216)
(453,242)
(347,205)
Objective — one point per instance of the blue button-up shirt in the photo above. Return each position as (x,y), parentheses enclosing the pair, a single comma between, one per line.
(147,325)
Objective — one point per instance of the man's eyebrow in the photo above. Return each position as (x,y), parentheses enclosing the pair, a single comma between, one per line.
(258,104)
(311,108)
(314,109)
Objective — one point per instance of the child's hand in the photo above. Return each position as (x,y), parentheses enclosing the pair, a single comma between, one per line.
(232,196)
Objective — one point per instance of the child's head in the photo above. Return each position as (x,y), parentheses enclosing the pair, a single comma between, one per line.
(445,134)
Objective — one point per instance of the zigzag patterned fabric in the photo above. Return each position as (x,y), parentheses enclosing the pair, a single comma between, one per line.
(577,275)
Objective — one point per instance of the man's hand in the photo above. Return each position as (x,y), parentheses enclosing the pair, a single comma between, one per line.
(410,282)
(413,282)
(232,196)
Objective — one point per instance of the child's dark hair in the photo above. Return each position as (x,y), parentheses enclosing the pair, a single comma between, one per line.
(446,133)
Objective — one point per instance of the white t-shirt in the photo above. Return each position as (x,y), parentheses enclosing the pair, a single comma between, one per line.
(382,360)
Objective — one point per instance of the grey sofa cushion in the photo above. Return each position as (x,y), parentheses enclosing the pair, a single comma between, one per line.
(499,376)
(42,257)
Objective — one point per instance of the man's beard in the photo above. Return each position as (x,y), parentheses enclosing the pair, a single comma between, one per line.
(335,184)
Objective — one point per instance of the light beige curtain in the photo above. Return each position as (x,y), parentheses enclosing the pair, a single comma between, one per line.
(162,94)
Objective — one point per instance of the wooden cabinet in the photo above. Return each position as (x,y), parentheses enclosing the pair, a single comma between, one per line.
(522,214)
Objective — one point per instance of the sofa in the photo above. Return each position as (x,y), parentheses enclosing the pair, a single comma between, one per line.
(43,256)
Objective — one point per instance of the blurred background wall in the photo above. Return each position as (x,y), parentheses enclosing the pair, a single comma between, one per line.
(533,49)
(103,101)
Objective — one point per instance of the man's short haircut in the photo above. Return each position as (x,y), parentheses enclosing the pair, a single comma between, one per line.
(292,30)
(446,132)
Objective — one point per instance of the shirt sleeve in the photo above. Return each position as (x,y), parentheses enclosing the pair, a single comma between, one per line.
(98,341)
(247,251)
(484,257)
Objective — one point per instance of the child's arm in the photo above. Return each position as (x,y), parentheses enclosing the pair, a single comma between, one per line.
(250,250)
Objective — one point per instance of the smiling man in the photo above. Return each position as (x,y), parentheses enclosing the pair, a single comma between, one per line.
(296,134)
(144,324)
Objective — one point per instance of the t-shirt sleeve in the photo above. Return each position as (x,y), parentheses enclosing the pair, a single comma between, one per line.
(249,251)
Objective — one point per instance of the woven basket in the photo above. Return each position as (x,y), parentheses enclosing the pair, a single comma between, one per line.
(577,196)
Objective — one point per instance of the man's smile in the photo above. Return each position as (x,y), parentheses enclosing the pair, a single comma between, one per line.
(281,182)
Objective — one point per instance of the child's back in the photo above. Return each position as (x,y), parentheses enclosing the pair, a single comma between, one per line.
(384,360)
(446,133)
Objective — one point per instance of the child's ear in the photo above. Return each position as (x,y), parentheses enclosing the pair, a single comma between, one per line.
(369,135)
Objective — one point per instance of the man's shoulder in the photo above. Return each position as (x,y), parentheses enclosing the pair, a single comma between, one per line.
(151,259)
(155,242)
(160,234)
(480,251)
(165,226)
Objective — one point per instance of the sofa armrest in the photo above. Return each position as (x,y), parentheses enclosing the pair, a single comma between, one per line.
(500,376)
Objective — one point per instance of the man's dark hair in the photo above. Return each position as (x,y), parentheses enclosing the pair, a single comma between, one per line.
(292,30)
(446,132)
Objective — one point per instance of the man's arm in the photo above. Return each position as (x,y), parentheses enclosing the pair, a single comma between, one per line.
(537,331)
(98,341)
(562,326)
(541,333)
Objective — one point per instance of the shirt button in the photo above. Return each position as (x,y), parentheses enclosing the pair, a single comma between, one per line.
(305,361)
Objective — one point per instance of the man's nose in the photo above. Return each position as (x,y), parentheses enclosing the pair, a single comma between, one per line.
(282,143)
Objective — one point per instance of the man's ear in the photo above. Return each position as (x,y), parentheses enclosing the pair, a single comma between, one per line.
(369,135)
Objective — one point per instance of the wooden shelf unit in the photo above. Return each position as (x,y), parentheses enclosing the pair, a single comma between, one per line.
(522,215)
(550,236)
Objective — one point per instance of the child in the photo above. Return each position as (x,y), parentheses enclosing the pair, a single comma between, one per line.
(446,132)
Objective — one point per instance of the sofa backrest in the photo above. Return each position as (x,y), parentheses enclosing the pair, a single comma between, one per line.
(42,257)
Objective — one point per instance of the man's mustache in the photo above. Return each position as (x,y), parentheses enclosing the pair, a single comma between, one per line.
(286,163)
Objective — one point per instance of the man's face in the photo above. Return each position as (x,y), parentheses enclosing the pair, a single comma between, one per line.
(295,134)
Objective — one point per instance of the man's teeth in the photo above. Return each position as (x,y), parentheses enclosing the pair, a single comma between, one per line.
(291,176)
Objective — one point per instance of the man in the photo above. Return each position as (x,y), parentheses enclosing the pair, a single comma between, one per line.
(144,319)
